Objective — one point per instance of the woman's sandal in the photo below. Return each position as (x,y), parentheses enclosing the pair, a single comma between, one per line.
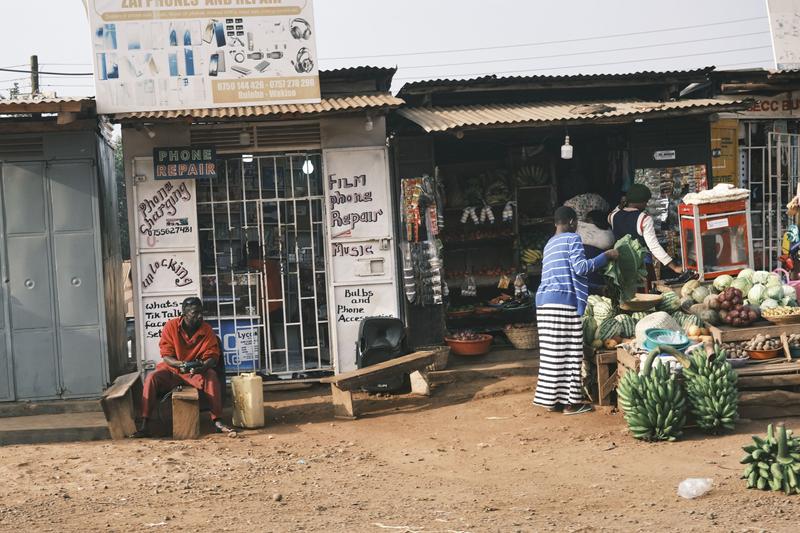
(578,409)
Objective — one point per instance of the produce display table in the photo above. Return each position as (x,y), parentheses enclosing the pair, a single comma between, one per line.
(732,334)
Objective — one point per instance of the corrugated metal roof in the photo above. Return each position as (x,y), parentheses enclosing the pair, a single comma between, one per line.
(358,70)
(451,83)
(543,113)
(327,105)
(45,105)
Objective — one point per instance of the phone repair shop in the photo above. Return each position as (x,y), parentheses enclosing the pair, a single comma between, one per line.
(62,319)
(278,216)
(494,157)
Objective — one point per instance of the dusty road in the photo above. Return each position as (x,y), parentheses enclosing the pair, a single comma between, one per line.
(492,464)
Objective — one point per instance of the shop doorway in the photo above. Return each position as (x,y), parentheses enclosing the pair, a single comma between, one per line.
(779,189)
(262,256)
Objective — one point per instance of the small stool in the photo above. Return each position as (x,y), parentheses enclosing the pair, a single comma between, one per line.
(185,413)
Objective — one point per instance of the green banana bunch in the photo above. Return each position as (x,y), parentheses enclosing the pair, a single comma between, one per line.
(711,388)
(773,462)
(654,402)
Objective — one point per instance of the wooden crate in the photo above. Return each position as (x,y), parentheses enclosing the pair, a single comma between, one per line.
(606,376)
(626,361)
(732,334)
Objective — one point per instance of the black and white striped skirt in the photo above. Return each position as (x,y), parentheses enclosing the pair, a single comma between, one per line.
(560,355)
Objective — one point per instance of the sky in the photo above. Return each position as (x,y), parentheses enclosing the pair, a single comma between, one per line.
(429,39)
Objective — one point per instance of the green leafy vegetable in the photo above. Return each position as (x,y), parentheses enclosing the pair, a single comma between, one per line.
(624,275)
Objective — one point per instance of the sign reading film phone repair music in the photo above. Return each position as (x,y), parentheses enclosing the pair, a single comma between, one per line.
(161,55)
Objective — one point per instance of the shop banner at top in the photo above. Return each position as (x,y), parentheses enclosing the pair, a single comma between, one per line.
(161,55)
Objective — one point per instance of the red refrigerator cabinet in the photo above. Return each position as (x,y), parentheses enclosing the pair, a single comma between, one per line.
(716,237)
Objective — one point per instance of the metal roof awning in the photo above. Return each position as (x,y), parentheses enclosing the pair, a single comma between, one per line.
(439,119)
(45,105)
(326,106)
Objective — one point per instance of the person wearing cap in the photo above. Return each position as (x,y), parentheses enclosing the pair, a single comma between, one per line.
(632,219)
(189,353)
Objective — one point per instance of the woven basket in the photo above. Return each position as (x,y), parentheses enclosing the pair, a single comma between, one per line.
(523,338)
(442,355)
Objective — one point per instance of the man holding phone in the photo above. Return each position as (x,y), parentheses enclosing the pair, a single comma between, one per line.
(189,353)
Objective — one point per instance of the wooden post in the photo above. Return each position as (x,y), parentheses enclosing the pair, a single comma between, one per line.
(185,413)
(342,403)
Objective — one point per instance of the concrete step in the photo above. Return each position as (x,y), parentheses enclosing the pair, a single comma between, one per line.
(40,429)
(54,407)
(494,365)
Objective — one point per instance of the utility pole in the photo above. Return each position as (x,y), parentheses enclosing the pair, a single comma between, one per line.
(34,75)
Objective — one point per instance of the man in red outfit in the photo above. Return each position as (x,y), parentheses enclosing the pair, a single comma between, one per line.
(189,351)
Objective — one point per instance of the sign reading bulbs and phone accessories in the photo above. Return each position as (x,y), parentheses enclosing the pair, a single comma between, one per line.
(161,55)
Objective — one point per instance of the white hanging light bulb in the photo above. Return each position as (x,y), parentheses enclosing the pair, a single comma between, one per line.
(566,149)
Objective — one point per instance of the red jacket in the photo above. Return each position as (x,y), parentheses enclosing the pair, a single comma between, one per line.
(175,342)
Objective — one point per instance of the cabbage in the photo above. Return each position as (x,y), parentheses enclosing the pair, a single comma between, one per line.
(747,274)
(769,303)
(760,276)
(723,282)
(773,280)
(787,301)
(757,294)
(743,284)
(789,291)
(775,292)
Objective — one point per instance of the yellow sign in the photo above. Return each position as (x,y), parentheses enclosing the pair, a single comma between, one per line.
(725,151)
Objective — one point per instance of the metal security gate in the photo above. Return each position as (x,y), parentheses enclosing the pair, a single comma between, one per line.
(783,163)
(52,275)
(262,256)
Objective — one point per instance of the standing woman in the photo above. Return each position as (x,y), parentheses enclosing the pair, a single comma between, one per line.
(560,303)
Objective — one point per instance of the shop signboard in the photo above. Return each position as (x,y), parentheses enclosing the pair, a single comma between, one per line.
(785,105)
(159,55)
(166,250)
(785,31)
(361,244)
(724,152)
(185,162)
(241,343)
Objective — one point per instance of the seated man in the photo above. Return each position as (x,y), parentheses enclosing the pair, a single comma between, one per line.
(189,351)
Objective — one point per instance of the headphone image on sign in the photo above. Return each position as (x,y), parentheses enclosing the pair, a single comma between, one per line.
(304,62)
(300,28)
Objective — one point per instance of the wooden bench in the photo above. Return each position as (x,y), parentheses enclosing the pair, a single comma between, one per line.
(342,385)
(119,403)
(185,413)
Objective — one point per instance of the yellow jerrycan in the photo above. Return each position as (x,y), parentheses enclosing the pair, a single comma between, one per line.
(248,401)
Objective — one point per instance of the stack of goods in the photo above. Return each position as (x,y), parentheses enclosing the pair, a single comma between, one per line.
(428,286)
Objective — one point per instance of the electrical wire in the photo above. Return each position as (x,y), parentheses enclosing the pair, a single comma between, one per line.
(473,74)
(21,71)
(738,36)
(542,43)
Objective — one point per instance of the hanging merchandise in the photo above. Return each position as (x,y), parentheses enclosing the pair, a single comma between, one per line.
(469,214)
(409,282)
(468,288)
(520,288)
(508,211)
(411,191)
(487,215)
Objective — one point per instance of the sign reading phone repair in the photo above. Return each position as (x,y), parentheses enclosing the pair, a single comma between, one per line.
(162,55)
(184,162)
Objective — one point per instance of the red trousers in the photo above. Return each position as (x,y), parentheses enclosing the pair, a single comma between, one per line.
(162,381)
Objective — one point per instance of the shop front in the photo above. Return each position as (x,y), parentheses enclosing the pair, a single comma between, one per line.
(281,220)
(494,159)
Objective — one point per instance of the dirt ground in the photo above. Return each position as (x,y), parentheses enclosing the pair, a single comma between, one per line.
(449,464)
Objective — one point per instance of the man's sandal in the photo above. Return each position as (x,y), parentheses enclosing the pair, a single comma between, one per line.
(222,427)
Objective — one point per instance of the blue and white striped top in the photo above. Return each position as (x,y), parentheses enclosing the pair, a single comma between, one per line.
(564,271)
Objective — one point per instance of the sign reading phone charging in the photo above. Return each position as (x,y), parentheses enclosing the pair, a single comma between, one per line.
(158,55)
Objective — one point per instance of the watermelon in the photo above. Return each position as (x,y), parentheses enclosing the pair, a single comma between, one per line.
(638,315)
(700,293)
(669,303)
(588,330)
(628,325)
(608,329)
